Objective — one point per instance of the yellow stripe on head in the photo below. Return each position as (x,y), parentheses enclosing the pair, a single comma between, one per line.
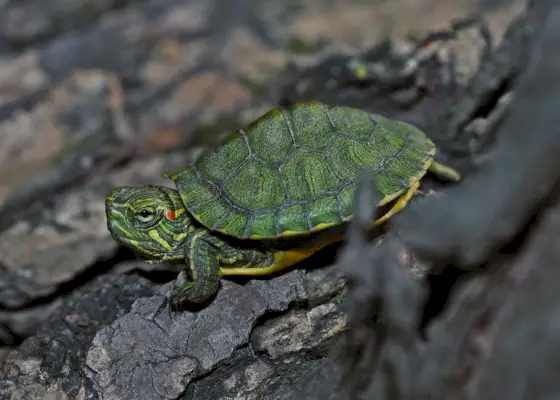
(180,236)
(118,226)
(136,244)
(154,234)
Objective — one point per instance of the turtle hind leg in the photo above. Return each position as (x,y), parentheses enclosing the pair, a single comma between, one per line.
(444,172)
(400,204)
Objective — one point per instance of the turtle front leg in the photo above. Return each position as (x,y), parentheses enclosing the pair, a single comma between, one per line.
(203,270)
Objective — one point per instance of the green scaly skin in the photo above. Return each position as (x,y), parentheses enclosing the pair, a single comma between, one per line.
(139,218)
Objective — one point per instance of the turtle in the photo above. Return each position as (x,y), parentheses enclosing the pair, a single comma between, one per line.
(251,205)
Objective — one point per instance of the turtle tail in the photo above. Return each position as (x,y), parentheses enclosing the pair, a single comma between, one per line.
(444,172)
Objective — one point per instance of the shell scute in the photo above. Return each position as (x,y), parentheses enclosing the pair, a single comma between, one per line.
(270,136)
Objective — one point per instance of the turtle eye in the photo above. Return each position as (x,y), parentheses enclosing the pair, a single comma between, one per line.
(145,215)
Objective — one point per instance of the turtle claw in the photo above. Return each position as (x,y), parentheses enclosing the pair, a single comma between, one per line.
(165,305)
(168,302)
(175,305)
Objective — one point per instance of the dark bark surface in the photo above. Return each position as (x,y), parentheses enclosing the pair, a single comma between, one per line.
(105,93)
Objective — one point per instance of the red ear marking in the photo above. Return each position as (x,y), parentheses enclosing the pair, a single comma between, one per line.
(170,215)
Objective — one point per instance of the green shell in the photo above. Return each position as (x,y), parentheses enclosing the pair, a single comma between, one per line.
(294,171)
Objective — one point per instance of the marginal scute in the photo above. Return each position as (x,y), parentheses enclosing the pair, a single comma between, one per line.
(213,212)
(217,165)
(234,223)
(402,168)
(292,218)
(199,192)
(387,184)
(266,181)
(413,133)
(346,200)
(183,174)
(324,210)
(264,224)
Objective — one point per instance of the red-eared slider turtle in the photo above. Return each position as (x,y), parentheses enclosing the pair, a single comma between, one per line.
(292,172)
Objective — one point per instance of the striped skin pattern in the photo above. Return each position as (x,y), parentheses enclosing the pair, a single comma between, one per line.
(153,221)
(295,170)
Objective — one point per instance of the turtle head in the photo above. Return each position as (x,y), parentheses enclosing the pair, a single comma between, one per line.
(151,220)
